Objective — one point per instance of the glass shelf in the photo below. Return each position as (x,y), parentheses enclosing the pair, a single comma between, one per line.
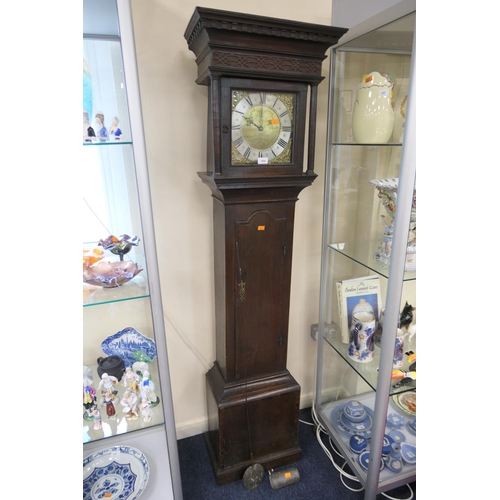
(327,416)
(121,425)
(362,253)
(107,143)
(137,288)
(367,371)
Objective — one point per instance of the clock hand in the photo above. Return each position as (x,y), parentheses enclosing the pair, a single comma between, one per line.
(251,122)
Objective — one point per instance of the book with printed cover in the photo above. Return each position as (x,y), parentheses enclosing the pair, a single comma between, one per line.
(360,293)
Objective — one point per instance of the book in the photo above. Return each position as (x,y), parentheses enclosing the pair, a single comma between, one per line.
(361,292)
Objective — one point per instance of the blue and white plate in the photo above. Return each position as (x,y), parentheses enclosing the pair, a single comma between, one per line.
(116,473)
(363,428)
(126,342)
(409,453)
(364,460)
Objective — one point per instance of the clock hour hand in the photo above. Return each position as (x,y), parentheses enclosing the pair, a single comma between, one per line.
(251,122)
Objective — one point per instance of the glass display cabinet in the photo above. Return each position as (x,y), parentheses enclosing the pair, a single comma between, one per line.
(365,394)
(128,412)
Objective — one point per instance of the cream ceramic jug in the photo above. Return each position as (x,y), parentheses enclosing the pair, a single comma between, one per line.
(373,113)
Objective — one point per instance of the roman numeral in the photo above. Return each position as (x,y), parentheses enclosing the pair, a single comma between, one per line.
(262,97)
(247,153)
(238,142)
(286,129)
(282,143)
(284,113)
(247,99)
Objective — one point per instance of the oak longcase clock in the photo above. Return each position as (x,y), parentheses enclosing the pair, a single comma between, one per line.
(262,75)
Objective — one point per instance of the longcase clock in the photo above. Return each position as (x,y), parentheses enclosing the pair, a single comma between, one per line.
(262,74)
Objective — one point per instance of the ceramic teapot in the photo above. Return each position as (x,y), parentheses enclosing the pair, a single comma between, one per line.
(112,365)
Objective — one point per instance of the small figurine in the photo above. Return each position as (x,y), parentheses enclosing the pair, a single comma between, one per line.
(102,131)
(130,402)
(88,131)
(89,398)
(131,380)
(107,401)
(107,383)
(147,388)
(114,130)
(145,407)
(97,417)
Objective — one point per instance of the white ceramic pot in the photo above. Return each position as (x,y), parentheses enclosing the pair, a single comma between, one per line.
(361,337)
(373,112)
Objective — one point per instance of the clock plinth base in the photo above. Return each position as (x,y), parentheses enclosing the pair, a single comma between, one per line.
(253,421)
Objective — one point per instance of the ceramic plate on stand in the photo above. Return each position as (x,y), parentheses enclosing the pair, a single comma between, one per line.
(115,473)
(126,342)
(407,402)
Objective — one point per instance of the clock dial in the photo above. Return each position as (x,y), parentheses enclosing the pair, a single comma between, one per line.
(261,127)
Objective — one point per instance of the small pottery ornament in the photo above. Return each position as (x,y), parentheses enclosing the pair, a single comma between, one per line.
(146,410)
(130,402)
(147,389)
(394,462)
(131,380)
(361,337)
(388,195)
(373,112)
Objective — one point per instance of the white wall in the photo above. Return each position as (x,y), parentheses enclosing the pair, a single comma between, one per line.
(361,16)
(174,112)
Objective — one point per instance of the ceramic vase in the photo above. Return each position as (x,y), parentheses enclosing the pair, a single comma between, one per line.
(388,195)
(361,337)
(398,350)
(373,112)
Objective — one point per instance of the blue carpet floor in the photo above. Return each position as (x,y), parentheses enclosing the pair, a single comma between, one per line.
(319,480)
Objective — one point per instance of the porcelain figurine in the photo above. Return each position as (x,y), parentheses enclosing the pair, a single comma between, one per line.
(114,131)
(108,400)
(373,112)
(147,389)
(97,417)
(89,398)
(146,411)
(102,132)
(131,380)
(88,131)
(130,402)
(108,383)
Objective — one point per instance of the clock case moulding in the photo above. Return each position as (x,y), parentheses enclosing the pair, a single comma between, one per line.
(252,399)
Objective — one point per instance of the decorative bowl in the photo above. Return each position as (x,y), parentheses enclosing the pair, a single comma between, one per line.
(90,257)
(118,472)
(111,274)
(119,245)
(127,344)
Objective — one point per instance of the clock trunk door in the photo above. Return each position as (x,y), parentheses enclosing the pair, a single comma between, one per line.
(263,265)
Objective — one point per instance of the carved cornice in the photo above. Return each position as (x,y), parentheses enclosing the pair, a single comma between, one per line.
(213,19)
(256,29)
(265,62)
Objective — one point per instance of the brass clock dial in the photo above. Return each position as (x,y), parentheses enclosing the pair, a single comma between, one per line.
(261,127)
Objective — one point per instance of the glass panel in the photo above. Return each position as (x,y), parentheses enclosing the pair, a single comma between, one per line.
(117,316)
